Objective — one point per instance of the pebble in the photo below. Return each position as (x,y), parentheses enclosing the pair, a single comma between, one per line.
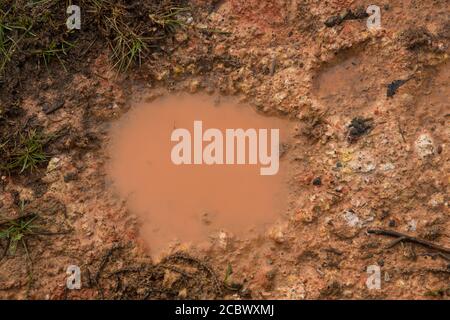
(194,86)
(277,235)
(352,219)
(317,181)
(424,146)
(53,164)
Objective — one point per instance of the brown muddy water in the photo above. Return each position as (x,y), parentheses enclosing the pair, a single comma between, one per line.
(192,203)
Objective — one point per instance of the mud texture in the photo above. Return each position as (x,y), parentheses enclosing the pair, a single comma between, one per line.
(364,156)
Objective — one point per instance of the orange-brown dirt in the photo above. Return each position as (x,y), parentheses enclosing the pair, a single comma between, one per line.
(278,57)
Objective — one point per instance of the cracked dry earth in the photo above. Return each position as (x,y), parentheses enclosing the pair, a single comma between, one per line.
(358,159)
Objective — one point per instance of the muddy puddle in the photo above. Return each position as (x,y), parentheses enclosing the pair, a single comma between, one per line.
(348,79)
(188,180)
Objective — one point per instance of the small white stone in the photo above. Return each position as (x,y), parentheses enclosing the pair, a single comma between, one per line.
(352,219)
(424,146)
(277,234)
(280,96)
(436,200)
(412,225)
(224,239)
(53,164)
(387,166)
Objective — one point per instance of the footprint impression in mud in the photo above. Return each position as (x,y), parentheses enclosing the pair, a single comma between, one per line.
(188,172)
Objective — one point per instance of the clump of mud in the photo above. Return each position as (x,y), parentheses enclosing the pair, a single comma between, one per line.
(358,127)
(180,203)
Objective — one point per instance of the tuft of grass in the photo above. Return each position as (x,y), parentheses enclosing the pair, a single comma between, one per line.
(228,273)
(26,153)
(55,50)
(96,6)
(131,29)
(16,231)
(132,38)
(41,2)
(8,44)
(127,46)
(167,18)
(438,293)
(228,281)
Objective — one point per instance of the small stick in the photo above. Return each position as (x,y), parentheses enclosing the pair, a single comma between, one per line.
(437,254)
(400,130)
(404,237)
(104,261)
(396,241)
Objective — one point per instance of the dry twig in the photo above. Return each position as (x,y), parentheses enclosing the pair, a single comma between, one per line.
(401,237)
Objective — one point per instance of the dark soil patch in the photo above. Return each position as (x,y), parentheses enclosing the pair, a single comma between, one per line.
(358,127)
(178,276)
(347,14)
